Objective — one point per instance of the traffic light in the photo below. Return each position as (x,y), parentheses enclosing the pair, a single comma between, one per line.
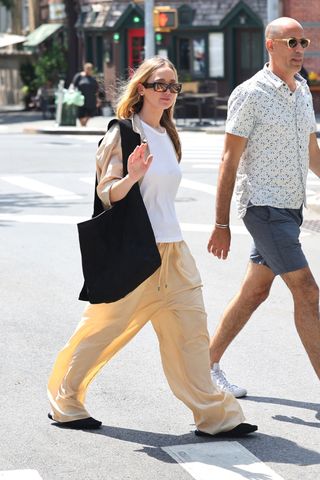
(165,19)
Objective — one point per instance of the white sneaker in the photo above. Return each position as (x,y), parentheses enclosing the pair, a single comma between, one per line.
(219,378)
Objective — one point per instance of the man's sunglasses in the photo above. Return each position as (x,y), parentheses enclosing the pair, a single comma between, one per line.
(163,87)
(293,42)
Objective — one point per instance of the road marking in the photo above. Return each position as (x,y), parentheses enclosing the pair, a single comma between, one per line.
(20,475)
(185,183)
(73,220)
(201,187)
(220,461)
(54,219)
(90,180)
(203,227)
(214,166)
(44,188)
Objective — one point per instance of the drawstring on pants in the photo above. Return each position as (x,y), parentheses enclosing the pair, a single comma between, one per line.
(164,267)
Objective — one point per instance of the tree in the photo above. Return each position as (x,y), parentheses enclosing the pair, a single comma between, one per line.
(51,65)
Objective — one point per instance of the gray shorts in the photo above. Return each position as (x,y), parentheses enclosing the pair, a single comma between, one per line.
(275,233)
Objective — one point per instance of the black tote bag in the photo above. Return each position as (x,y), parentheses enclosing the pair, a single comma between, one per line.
(118,247)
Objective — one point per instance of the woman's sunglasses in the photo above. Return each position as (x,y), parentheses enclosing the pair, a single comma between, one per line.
(293,42)
(163,87)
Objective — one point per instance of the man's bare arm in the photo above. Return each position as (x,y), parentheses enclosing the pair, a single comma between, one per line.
(219,241)
(314,154)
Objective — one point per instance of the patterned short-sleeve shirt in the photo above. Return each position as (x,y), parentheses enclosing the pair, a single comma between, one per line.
(277,123)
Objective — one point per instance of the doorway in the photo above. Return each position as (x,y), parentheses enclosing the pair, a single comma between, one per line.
(136,51)
(248,53)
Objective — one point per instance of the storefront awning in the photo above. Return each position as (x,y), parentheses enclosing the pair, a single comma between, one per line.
(6,39)
(41,34)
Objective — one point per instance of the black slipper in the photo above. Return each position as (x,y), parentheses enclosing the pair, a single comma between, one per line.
(82,424)
(239,431)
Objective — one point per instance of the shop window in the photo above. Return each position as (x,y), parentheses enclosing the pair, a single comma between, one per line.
(192,56)
(199,56)
(216,55)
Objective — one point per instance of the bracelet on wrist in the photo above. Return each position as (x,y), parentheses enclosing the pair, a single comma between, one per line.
(222,225)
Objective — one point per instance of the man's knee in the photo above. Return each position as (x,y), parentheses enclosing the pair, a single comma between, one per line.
(256,294)
(303,286)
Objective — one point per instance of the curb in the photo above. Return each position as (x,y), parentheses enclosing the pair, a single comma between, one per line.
(63,131)
(88,131)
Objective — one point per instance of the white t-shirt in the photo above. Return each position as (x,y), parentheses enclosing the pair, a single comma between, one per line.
(160,185)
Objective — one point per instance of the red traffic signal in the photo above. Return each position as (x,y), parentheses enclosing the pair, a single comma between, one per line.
(165,18)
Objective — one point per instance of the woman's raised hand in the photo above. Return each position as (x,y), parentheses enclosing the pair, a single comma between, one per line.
(138,164)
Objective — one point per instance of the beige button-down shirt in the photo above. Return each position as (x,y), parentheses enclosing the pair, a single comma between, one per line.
(277,123)
(109,159)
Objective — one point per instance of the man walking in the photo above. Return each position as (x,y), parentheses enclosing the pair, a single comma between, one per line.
(270,143)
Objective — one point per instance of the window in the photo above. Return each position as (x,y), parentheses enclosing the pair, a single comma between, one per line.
(192,56)
(199,53)
(216,54)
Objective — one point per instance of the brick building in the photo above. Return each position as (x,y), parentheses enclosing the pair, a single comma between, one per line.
(310,19)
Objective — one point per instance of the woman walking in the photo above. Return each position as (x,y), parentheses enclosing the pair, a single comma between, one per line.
(171,298)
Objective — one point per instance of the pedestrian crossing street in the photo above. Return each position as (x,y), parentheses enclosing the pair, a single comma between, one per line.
(201,156)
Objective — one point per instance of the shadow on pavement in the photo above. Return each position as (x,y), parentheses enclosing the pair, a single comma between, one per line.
(266,447)
(287,402)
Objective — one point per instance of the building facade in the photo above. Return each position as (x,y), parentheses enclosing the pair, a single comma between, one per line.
(214,40)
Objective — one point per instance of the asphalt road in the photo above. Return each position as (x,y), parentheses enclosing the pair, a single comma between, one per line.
(40,281)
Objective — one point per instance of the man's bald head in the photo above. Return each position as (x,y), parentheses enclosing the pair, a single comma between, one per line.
(278,27)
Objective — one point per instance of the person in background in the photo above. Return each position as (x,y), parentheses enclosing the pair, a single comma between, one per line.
(88,86)
(270,143)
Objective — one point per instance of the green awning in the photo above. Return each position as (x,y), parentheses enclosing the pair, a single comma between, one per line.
(41,33)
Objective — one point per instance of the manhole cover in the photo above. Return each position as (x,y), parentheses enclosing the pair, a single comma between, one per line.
(311,225)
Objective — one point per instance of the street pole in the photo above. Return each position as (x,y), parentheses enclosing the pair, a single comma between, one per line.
(148,28)
(273,10)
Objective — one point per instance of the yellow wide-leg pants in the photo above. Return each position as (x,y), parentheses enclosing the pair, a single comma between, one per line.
(172,299)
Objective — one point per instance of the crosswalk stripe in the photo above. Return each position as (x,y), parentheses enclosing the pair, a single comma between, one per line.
(20,475)
(185,183)
(220,461)
(203,227)
(54,219)
(210,166)
(90,180)
(41,187)
(73,220)
(202,187)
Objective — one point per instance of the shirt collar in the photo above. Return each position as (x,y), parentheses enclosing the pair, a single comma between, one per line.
(276,81)
(137,127)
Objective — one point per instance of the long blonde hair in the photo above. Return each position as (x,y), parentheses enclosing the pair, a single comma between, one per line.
(130,101)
